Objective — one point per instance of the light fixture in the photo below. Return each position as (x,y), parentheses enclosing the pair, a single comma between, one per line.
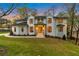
(36,28)
(43,28)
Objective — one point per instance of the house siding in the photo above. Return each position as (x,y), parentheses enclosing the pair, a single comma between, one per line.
(31,25)
(19,31)
(24,32)
(52,25)
(54,33)
(60,34)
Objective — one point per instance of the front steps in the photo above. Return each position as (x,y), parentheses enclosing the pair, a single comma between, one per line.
(40,35)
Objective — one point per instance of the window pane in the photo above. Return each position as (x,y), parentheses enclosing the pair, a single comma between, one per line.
(59,20)
(49,20)
(31,29)
(49,29)
(60,28)
(31,21)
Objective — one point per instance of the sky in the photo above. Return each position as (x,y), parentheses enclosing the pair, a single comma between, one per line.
(41,7)
(33,5)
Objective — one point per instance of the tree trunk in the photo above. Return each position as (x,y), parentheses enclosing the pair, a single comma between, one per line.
(72,15)
(76,39)
(71,28)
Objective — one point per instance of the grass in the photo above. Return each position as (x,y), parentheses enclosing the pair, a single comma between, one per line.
(36,47)
(3,32)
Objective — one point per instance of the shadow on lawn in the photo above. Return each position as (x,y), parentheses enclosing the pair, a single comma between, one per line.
(3,50)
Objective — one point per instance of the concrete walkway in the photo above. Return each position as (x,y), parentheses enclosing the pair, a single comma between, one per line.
(7,35)
(4,34)
(40,35)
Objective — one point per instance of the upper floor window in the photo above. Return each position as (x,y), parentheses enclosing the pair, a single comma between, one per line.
(31,29)
(49,20)
(31,21)
(49,28)
(60,28)
(59,20)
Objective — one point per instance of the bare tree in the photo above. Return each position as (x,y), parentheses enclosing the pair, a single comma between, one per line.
(51,10)
(76,27)
(71,10)
(34,12)
(8,11)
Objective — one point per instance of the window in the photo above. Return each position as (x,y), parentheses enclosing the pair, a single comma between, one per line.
(14,29)
(59,20)
(31,29)
(49,29)
(31,21)
(49,20)
(60,28)
(22,29)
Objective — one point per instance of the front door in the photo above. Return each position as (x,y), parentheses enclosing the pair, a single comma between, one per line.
(40,31)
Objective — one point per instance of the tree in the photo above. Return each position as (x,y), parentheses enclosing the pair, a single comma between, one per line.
(76,27)
(71,11)
(7,12)
(51,10)
(61,14)
(23,11)
(34,12)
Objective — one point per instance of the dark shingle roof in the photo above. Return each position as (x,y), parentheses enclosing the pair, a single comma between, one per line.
(21,22)
(40,17)
(44,17)
(24,21)
(40,23)
(60,25)
(60,17)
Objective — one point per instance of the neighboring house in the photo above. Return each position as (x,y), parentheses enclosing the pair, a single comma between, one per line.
(41,26)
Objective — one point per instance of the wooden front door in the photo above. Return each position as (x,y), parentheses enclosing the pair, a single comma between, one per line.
(40,31)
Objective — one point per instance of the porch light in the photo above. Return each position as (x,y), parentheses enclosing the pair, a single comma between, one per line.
(43,28)
(36,28)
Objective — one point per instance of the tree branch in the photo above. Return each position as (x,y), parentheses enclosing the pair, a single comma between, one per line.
(8,11)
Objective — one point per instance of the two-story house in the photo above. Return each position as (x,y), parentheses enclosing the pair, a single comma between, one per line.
(41,26)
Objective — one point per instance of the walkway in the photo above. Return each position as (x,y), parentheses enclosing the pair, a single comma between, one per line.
(40,35)
(7,35)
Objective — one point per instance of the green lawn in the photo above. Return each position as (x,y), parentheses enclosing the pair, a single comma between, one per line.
(4,32)
(36,47)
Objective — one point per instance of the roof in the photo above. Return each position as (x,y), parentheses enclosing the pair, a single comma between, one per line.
(21,22)
(40,17)
(60,17)
(60,25)
(44,17)
(24,21)
(40,23)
